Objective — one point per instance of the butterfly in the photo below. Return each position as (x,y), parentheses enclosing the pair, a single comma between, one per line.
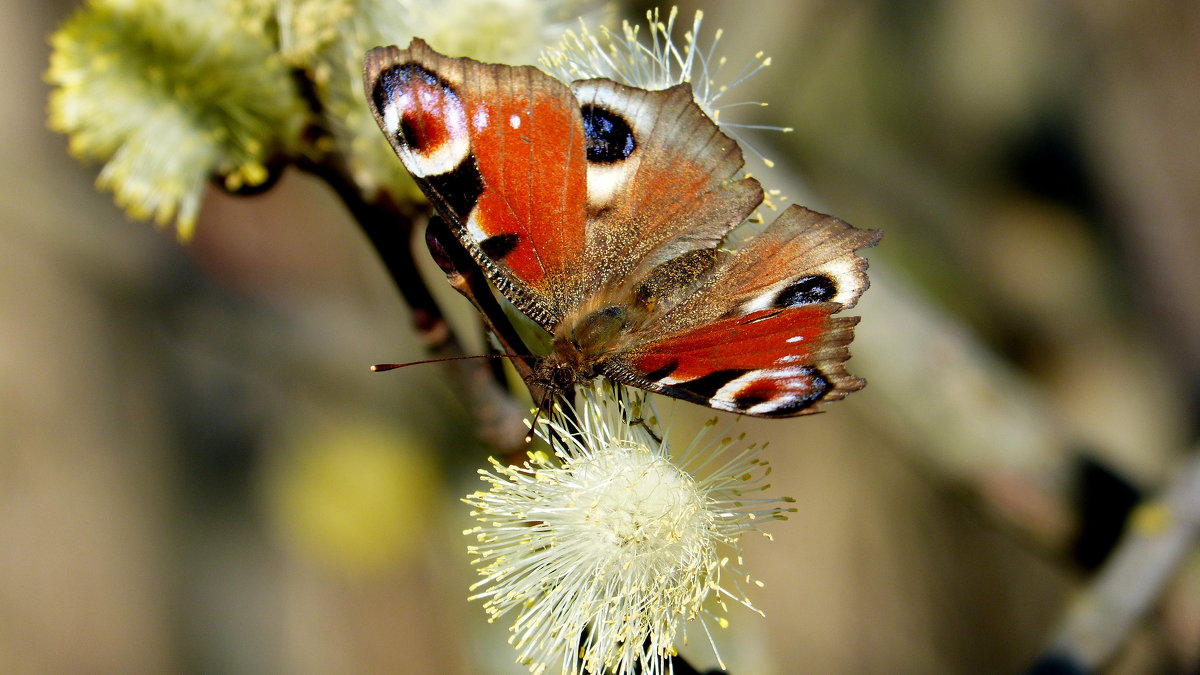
(601,211)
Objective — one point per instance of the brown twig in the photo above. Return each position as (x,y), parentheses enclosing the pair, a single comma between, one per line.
(389,228)
(465,277)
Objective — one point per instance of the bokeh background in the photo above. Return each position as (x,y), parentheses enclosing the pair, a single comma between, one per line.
(198,474)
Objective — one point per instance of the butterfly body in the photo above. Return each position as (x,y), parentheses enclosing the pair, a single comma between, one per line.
(601,211)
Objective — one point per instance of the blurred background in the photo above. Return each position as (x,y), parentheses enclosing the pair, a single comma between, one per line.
(199,474)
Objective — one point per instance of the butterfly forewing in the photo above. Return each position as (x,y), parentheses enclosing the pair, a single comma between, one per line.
(660,178)
(772,363)
(499,150)
(761,339)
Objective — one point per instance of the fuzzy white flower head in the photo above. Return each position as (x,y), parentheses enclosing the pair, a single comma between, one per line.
(607,553)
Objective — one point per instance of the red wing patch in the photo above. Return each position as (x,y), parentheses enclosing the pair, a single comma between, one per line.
(529,147)
(772,363)
(499,150)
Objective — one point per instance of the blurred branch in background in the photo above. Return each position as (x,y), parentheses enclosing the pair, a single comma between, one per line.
(1142,122)
(1162,534)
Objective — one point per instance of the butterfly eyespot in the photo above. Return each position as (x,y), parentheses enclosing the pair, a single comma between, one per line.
(805,291)
(786,406)
(755,395)
(424,116)
(609,136)
(386,83)
(765,393)
(420,136)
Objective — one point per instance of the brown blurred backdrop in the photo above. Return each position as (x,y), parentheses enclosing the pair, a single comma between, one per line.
(198,474)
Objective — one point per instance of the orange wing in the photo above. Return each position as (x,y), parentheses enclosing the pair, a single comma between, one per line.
(499,150)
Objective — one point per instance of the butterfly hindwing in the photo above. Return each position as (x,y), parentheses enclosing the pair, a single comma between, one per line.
(500,151)
(803,257)
(771,363)
(762,339)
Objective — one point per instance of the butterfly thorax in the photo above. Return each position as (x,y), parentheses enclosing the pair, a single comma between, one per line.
(581,345)
(608,321)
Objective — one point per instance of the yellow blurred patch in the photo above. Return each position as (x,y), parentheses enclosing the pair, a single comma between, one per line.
(357,499)
(1151,519)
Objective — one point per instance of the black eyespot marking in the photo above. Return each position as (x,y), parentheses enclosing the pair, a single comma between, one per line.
(820,387)
(401,75)
(706,387)
(752,396)
(411,136)
(660,373)
(421,128)
(498,246)
(805,291)
(455,192)
(609,136)
(387,81)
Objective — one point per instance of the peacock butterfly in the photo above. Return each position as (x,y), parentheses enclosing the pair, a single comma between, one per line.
(600,211)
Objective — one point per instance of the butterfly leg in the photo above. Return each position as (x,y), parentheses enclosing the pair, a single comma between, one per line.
(631,410)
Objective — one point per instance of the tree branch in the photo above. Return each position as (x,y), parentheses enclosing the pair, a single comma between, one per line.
(1160,535)
(389,228)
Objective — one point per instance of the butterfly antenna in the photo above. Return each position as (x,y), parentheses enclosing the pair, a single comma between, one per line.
(382,367)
